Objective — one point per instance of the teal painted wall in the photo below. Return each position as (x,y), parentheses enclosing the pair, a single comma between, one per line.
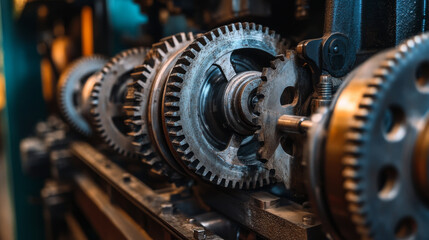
(24,107)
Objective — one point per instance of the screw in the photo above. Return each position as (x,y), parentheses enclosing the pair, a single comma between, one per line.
(107,165)
(126,177)
(336,49)
(308,220)
(167,208)
(199,233)
(325,88)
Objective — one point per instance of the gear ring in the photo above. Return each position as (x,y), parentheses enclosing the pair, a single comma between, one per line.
(108,97)
(377,121)
(220,55)
(70,86)
(144,98)
(283,91)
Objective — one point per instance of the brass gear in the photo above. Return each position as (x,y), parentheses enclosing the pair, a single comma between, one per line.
(373,147)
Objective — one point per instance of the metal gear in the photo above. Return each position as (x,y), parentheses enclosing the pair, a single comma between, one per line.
(144,100)
(283,91)
(375,163)
(70,87)
(108,97)
(200,133)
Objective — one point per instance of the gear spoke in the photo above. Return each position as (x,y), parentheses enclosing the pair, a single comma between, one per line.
(230,153)
(199,80)
(115,109)
(225,65)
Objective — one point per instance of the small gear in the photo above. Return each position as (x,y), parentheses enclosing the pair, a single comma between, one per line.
(200,131)
(375,161)
(283,91)
(69,89)
(144,100)
(108,98)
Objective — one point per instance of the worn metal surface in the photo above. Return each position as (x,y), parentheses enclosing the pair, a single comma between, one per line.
(198,132)
(151,210)
(144,99)
(380,129)
(264,213)
(109,221)
(283,91)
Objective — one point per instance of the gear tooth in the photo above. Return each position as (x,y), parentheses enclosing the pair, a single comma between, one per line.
(252,26)
(220,31)
(353,198)
(175,86)
(212,34)
(196,45)
(354,137)
(362,114)
(161,53)
(172,104)
(176,41)
(179,68)
(350,185)
(352,150)
(248,26)
(266,30)
(351,161)
(366,103)
(239,26)
(380,72)
(350,173)
(171,114)
(192,52)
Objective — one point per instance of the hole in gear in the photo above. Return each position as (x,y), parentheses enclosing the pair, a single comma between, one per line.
(288,96)
(393,125)
(422,76)
(406,229)
(387,183)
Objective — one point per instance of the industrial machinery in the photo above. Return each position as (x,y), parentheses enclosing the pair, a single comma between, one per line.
(231,130)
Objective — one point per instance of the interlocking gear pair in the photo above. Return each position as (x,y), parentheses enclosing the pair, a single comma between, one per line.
(208,105)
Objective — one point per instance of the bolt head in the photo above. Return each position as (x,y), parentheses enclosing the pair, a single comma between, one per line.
(308,220)
(167,208)
(199,233)
(126,177)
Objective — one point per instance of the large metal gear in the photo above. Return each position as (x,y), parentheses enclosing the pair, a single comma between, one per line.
(144,100)
(216,73)
(375,159)
(108,97)
(70,87)
(283,91)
